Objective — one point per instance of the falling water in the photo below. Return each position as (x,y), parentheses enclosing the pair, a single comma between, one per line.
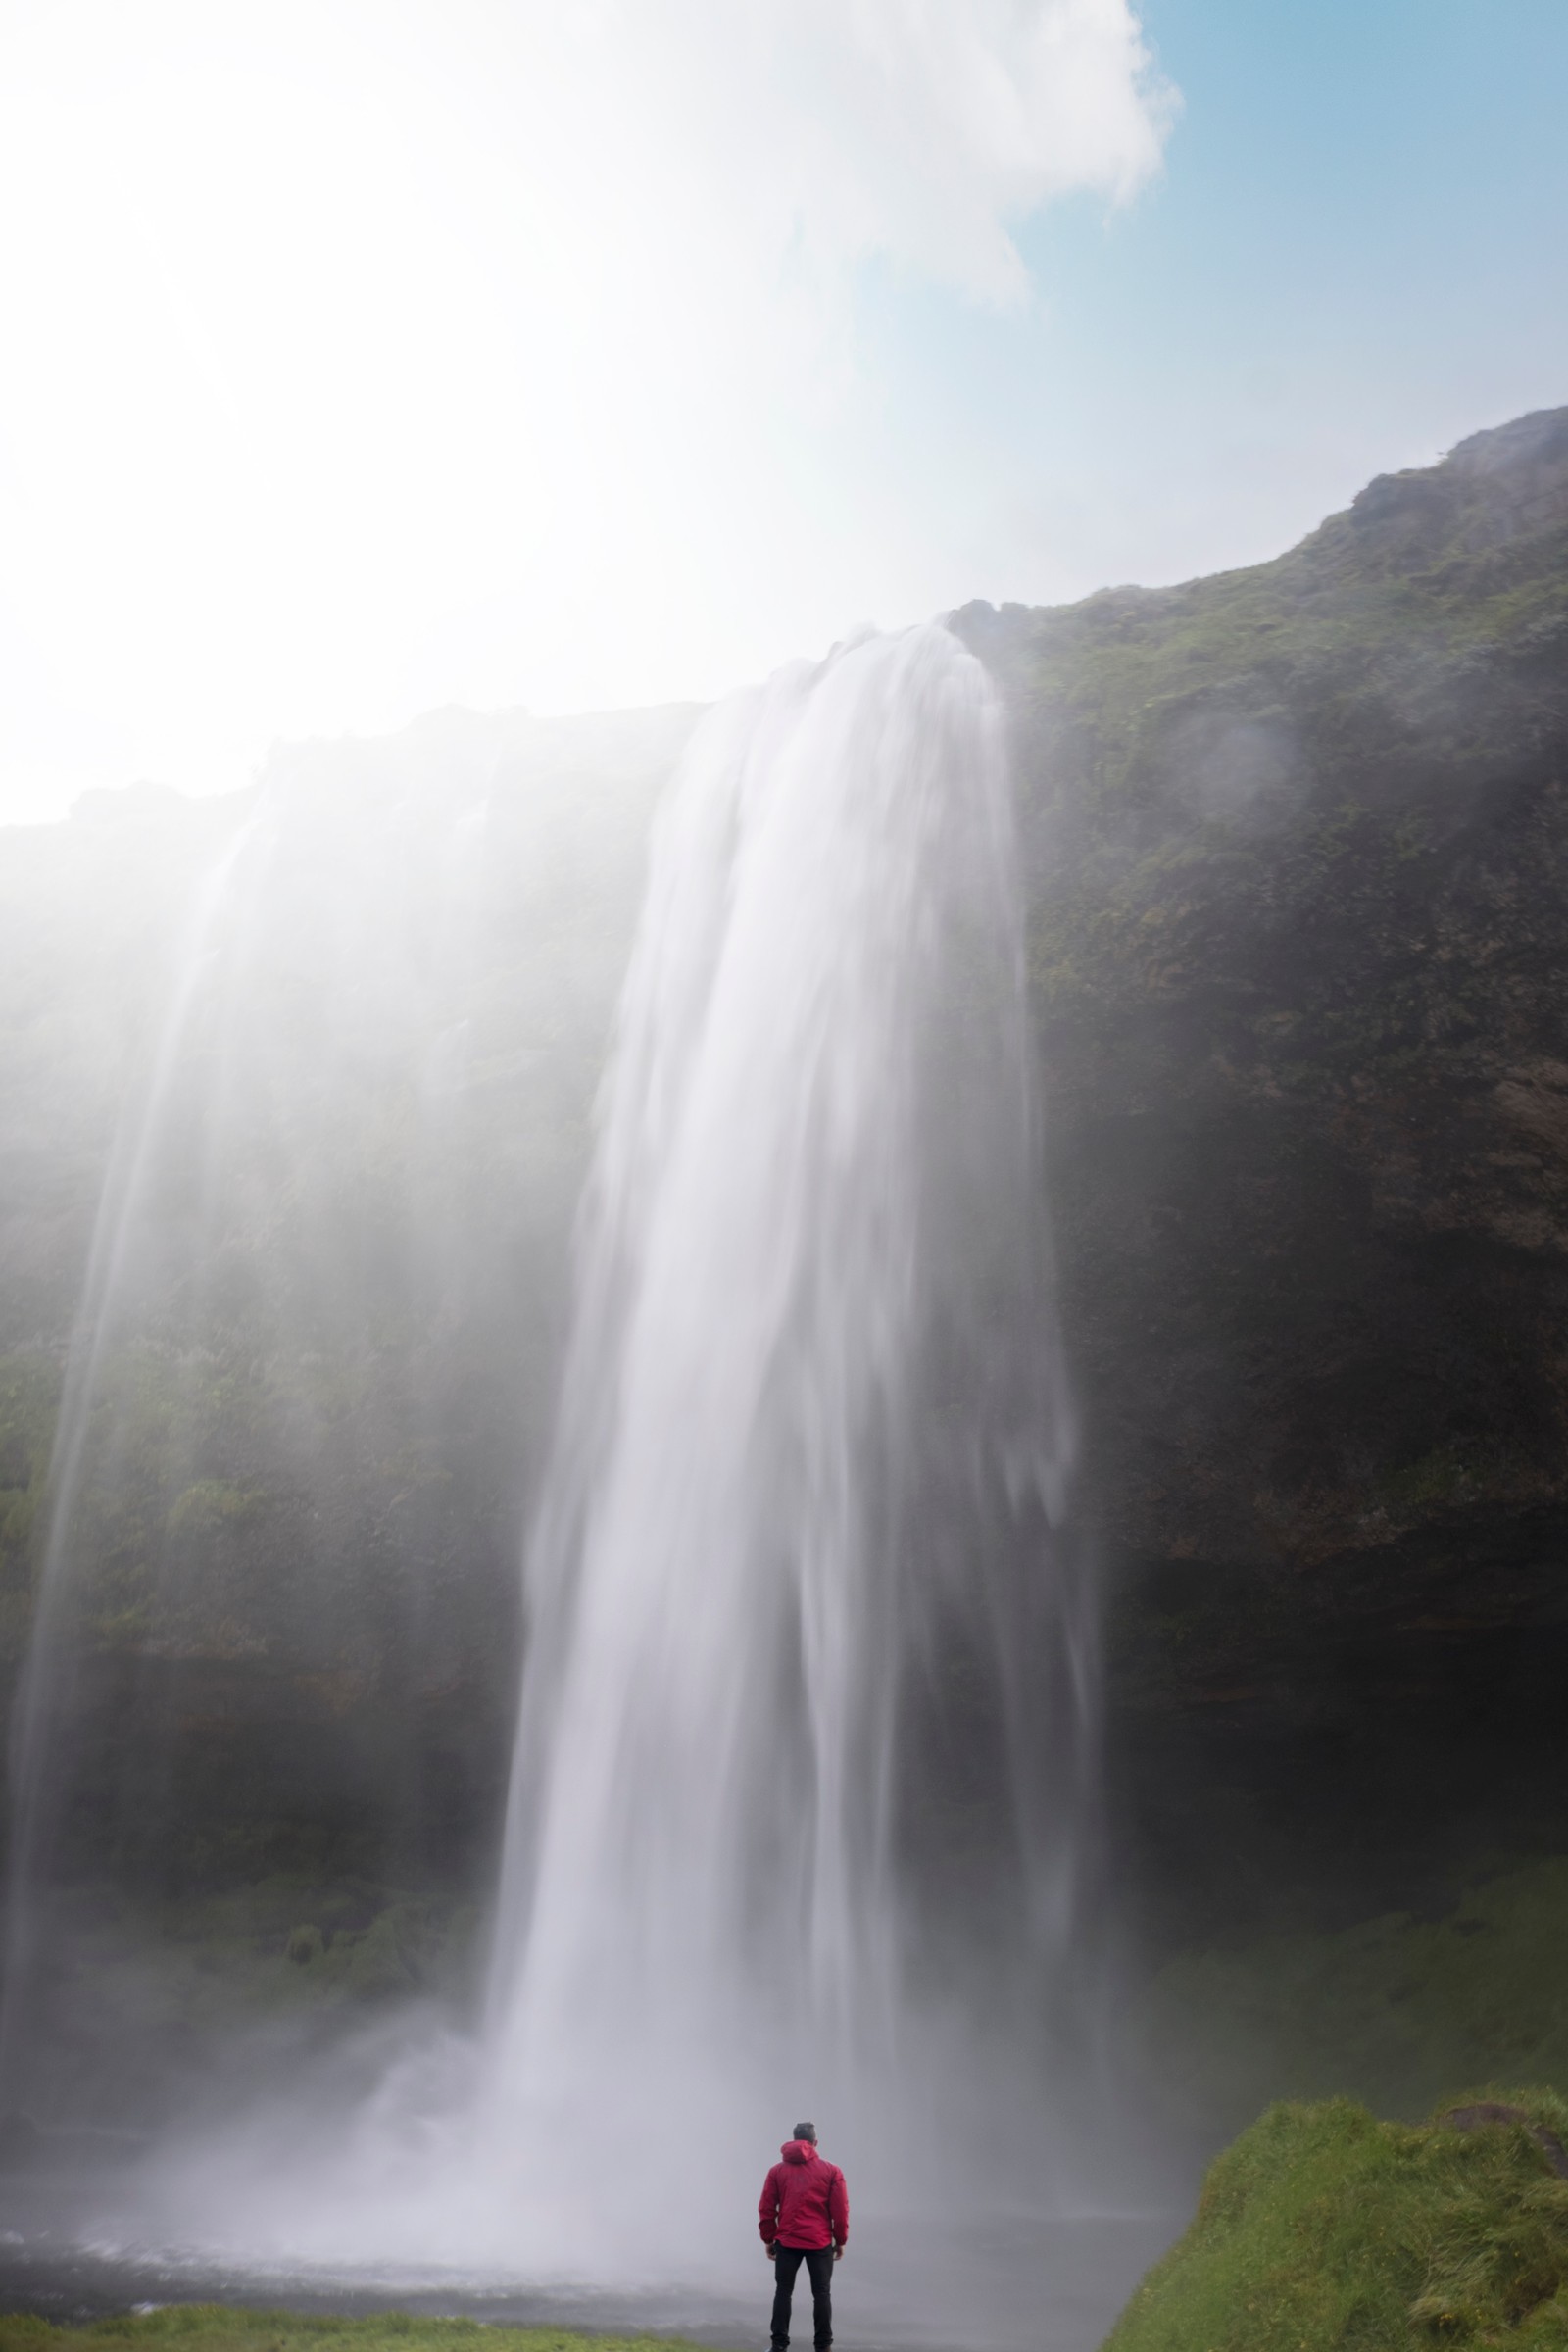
(804,1746)
(811,1442)
(38,1694)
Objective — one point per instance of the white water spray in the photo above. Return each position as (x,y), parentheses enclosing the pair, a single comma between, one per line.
(814,1351)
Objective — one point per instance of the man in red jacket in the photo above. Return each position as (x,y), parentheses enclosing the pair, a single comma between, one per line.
(803,2216)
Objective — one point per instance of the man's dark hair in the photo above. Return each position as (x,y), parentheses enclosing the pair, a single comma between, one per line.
(806,2131)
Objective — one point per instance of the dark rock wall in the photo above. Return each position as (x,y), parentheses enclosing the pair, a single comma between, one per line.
(1300,865)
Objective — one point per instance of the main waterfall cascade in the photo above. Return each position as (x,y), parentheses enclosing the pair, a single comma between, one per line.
(813,1442)
(803,1762)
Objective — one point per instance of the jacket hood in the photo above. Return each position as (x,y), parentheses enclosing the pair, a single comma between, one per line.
(797,2152)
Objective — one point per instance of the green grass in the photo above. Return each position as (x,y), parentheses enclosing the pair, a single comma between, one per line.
(1322,2228)
(221,2327)
(1322,623)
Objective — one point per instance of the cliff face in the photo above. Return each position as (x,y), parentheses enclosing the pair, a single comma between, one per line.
(1300,846)
(336,1192)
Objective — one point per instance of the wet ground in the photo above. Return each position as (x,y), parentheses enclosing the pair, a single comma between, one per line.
(1019,2284)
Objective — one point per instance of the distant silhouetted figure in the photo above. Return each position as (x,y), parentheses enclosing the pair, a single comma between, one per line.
(804,2215)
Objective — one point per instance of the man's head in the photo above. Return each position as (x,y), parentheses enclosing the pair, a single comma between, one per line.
(806,2131)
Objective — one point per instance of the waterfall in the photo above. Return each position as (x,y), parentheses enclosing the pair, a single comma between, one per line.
(33,1731)
(803,1746)
(811,1442)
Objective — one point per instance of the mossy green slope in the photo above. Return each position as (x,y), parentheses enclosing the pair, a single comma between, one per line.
(1322,2227)
(221,2327)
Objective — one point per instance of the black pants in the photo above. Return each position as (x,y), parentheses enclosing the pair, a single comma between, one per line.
(818,2259)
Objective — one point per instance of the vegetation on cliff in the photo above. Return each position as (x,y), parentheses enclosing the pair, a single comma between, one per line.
(1299,840)
(1323,2228)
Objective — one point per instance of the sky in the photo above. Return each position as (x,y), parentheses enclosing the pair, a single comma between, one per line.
(366,356)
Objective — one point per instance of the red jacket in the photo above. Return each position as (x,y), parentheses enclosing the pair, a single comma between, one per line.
(803,2201)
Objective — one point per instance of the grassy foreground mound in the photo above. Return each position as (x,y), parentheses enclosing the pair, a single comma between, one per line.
(221,2327)
(1323,2228)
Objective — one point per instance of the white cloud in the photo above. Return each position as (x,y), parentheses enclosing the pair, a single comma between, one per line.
(921,129)
(371,356)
